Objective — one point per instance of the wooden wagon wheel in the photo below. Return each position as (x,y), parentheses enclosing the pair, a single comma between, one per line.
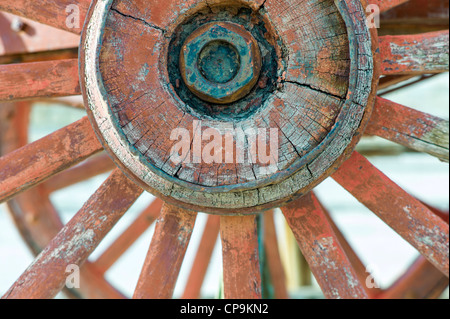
(306,72)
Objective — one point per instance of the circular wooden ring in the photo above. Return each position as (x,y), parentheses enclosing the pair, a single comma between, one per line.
(325,95)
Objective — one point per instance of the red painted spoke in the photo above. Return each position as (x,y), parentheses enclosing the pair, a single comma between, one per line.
(165,256)
(91,168)
(415,54)
(241,270)
(421,281)
(417,224)
(276,270)
(386,5)
(56,13)
(357,264)
(20,46)
(77,240)
(36,162)
(391,80)
(321,248)
(39,79)
(203,258)
(416,130)
(129,236)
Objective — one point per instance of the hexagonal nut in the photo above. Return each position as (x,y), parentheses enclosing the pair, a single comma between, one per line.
(220,62)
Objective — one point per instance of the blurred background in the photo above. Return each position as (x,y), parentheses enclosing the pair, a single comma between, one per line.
(379,247)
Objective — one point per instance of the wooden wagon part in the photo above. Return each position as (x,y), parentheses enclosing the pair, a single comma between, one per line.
(319,73)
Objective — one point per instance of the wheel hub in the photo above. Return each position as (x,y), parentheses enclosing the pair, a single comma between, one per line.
(228,108)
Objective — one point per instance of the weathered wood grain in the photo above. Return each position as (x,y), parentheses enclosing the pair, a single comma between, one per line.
(416,130)
(417,224)
(242,276)
(314,33)
(36,162)
(77,240)
(321,248)
(50,12)
(39,79)
(166,253)
(415,54)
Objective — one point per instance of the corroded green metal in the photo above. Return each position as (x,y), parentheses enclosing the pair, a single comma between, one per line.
(220,62)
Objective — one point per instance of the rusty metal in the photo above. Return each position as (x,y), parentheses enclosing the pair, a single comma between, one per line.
(220,62)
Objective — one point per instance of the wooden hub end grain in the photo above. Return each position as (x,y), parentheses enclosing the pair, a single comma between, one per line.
(228,107)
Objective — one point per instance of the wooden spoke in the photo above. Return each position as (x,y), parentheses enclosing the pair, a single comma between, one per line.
(133,232)
(64,54)
(417,224)
(39,79)
(415,16)
(92,167)
(166,253)
(421,281)
(77,240)
(241,270)
(29,38)
(386,5)
(357,264)
(67,102)
(202,259)
(62,14)
(276,270)
(391,80)
(36,162)
(416,130)
(321,248)
(415,54)
(408,80)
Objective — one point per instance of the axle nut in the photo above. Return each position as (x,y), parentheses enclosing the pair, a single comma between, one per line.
(220,62)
